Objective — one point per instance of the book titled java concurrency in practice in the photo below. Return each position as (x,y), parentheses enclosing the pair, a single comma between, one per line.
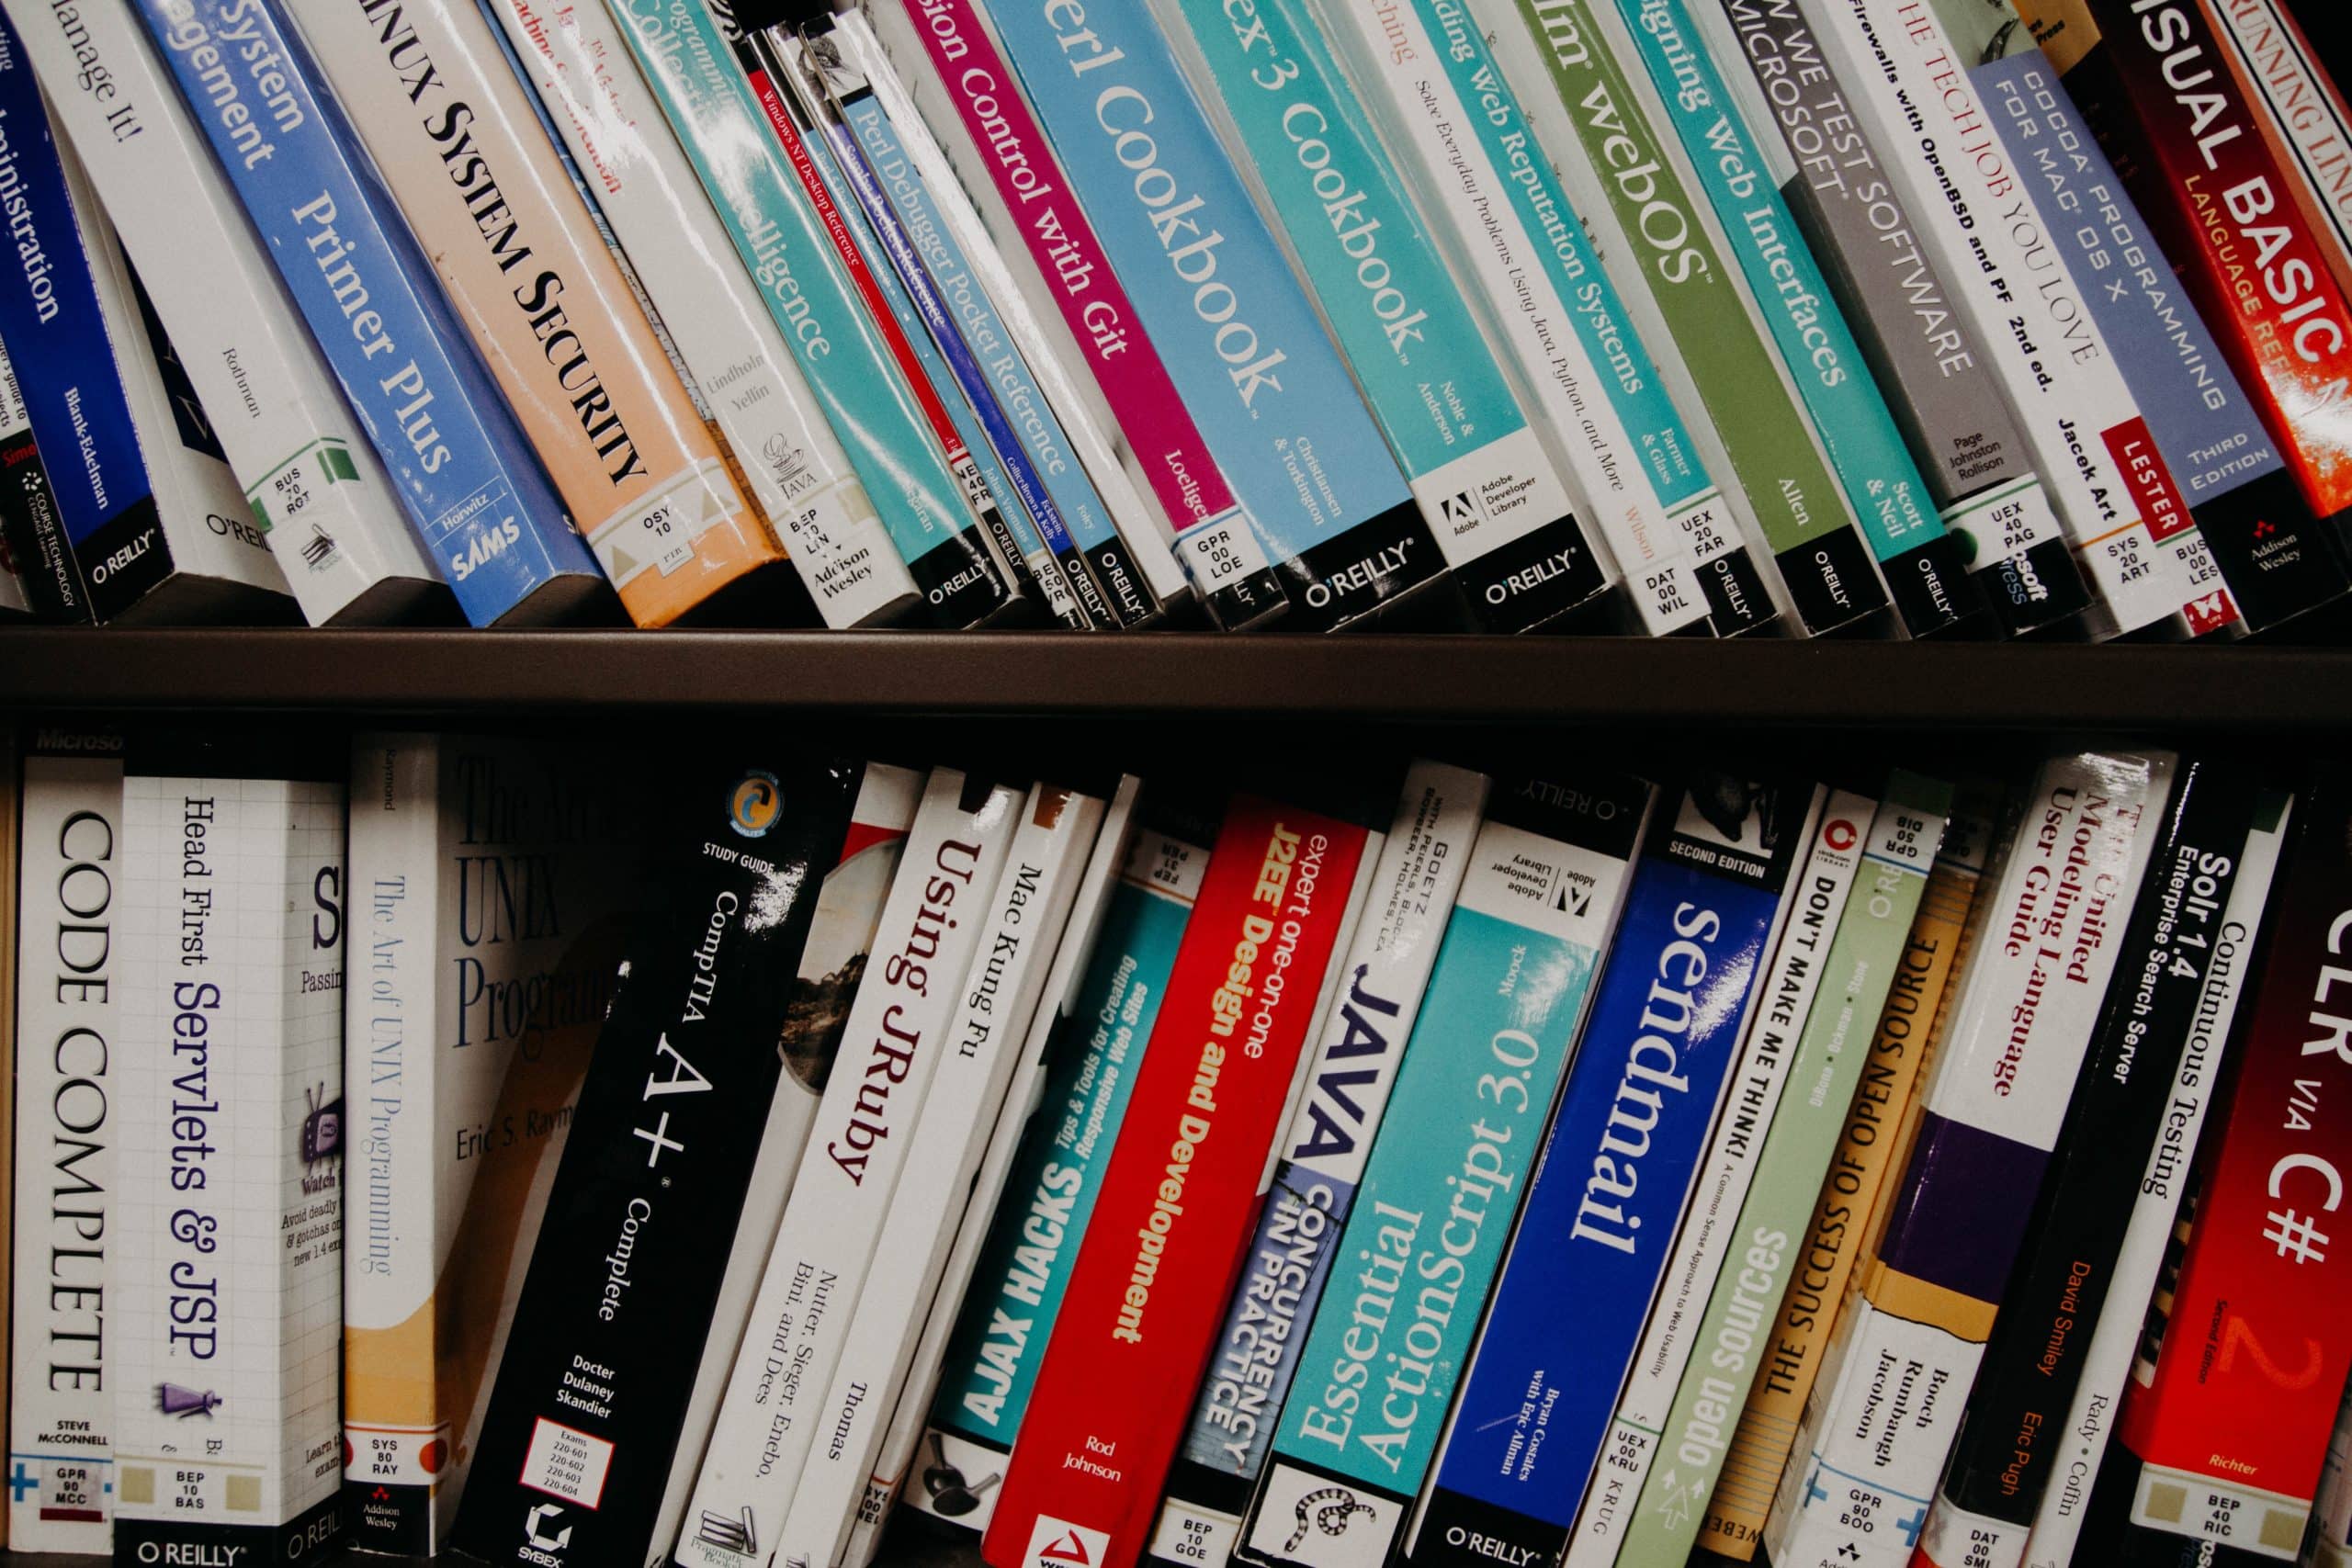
(479,500)
(490,881)
(225,1294)
(793,464)
(150,524)
(70,916)
(334,523)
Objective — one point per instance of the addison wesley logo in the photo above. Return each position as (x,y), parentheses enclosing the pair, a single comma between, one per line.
(1058,1543)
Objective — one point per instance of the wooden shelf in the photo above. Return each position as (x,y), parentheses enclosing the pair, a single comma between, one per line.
(1934,687)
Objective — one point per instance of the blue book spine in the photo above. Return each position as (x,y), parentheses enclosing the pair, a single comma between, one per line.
(1241,341)
(1606,1199)
(112,552)
(476,495)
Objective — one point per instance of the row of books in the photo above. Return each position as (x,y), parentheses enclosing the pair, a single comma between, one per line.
(1673,316)
(709,1165)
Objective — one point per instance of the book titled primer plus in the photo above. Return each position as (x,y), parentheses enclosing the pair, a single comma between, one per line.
(334,522)
(1494,499)
(1327,505)
(226,1309)
(712,309)
(479,500)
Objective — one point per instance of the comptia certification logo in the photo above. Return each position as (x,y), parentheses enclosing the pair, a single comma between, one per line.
(1841,835)
(756,803)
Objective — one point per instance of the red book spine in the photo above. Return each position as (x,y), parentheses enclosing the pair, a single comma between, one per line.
(2157,84)
(1179,1196)
(2244,1391)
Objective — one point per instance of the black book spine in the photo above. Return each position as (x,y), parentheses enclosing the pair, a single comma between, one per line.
(608,1332)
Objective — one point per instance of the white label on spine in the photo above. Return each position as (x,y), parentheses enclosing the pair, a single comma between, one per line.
(1221,552)
(1495,496)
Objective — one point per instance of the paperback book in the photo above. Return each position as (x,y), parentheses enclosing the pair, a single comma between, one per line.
(225,1309)
(2302,108)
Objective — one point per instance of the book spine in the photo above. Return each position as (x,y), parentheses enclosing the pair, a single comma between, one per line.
(1777,1027)
(483,507)
(2157,86)
(1900,301)
(68,1013)
(2225,1422)
(2033,1359)
(1499,508)
(227,1293)
(1544,1378)
(840,947)
(591,1395)
(1023,1273)
(2332,1509)
(995,1003)
(1325,502)
(1900,68)
(1231,1432)
(2278,563)
(1179,1194)
(1880,1429)
(314,486)
(1670,528)
(1121,531)
(1052,555)
(2156,1209)
(733,351)
(32,534)
(2304,109)
(1072,956)
(1833,1238)
(849,1171)
(581,367)
(1884,489)
(1662,1515)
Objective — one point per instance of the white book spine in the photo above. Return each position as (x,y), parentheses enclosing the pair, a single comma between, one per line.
(911,1408)
(648,190)
(2090,1419)
(334,523)
(2071,400)
(1783,1003)
(228,1314)
(61,1416)
(849,1172)
(2306,111)
(995,1007)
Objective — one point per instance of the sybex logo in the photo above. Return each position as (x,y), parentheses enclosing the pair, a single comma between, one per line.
(543,1540)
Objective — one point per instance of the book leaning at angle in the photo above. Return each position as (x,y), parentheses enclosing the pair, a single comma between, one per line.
(1881,1420)
(150,524)
(454,136)
(2303,109)
(333,520)
(479,500)
(1057,855)
(838,949)
(1720,882)
(2331,1539)
(490,885)
(70,904)
(592,1391)
(226,1306)
(792,462)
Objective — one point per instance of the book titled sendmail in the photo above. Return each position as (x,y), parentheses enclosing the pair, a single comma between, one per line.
(475,493)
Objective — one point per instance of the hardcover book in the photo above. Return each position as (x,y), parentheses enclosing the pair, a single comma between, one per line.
(456,140)
(1296,1255)
(1882,1413)
(333,520)
(1178,1198)
(1494,497)
(793,465)
(1674,532)
(1604,1200)
(590,1397)
(67,1018)
(226,1286)
(479,500)
(492,887)
(1326,507)
(150,524)
(891,1046)
(1510,983)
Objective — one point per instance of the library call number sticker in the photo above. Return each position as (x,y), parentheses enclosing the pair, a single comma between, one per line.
(567,1464)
